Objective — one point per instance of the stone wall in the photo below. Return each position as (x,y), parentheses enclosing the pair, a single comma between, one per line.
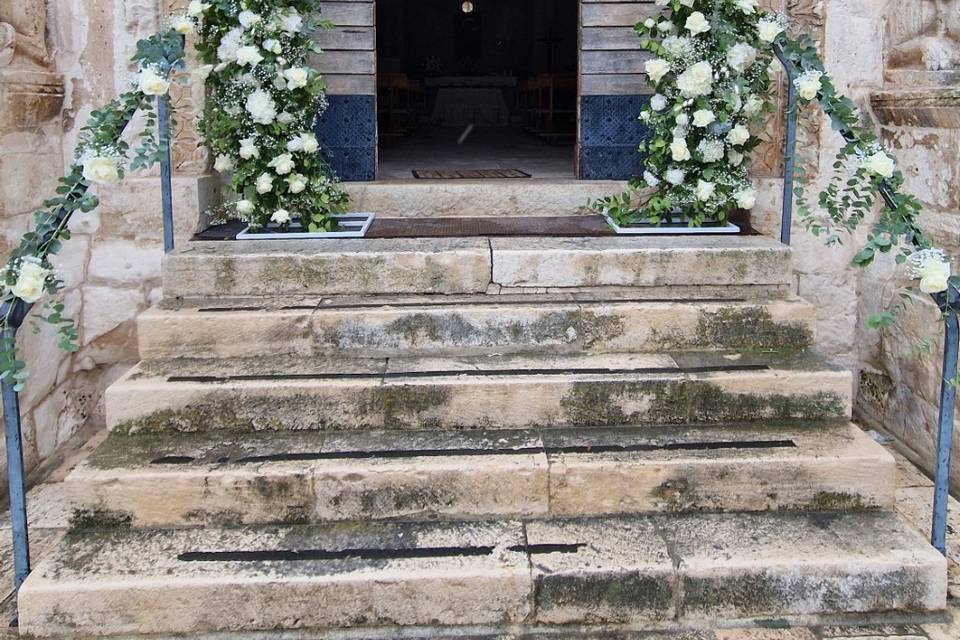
(918,111)
(111,264)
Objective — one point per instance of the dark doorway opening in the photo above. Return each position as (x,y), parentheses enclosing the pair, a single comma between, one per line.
(468,85)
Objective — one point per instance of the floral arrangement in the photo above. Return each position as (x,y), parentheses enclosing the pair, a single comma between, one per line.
(262,105)
(712,73)
(100,158)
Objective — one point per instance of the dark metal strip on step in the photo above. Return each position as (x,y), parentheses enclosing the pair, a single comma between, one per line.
(394,454)
(292,307)
(492,300)
(300,555)
(395,375)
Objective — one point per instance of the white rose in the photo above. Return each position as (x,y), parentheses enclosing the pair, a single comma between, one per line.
(281,216)
(658,102)
(768,30)
(295,144)
(734,156)
(261,107)
(264,183)
(697,80)
(656,69)
(649,23)
(196,7)
(248,149)
(285,117)
(645,115)
(678,150)
(182,25)
(934,276)
(297,182)
(682,119)
(674,176)
(665,26)
(705,190)
(746,198)
(273,46)
(296,77)
(650,179)
(697,23)
(201,73)
(101,170)
(248,19)
(30,281)
(880,163)
(310,144)
(282,164)
(703,118)
(244,207)
(752,106)
(152,84)
(291,21)
(249,55)
(223,164)
(808,84)
(738,135)
(229,43)
(741,57)
(749,7)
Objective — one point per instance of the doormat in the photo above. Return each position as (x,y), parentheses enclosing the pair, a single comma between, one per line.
(469,174)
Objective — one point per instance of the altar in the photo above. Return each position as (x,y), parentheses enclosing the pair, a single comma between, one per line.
(463,100)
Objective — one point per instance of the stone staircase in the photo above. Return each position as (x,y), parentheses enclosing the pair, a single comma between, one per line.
(445,437)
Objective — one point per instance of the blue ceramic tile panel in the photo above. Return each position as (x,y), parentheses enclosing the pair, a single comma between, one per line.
(347,135)
(609,135)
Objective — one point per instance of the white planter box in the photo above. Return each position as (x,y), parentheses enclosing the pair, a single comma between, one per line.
(352,225)
(676,227)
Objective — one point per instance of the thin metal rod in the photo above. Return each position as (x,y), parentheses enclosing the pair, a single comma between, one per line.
(166,187)
(948,396)
(15,476)
(789,148)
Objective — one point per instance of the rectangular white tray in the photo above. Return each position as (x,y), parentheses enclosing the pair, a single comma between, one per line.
(674,228)
(352,225)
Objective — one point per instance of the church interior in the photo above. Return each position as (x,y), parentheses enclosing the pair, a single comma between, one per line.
(476,88)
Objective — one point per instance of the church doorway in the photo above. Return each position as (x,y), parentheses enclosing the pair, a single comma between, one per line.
(476,88)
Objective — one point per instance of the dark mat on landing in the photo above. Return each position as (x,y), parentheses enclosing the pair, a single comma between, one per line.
(469,174)
(559,226)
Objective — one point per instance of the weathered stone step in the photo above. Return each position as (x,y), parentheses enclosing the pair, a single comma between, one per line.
(668,266)
(468,198)
(217,479)
(472,325)
(485,391)
(666,569)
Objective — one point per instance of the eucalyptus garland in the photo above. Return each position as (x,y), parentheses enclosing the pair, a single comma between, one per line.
(263,100)
(99,158)
(711,72)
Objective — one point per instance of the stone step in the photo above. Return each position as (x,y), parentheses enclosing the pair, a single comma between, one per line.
(469,198)
(667,266)
(471,325)
(256,394)
(678,569)
(300,477)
